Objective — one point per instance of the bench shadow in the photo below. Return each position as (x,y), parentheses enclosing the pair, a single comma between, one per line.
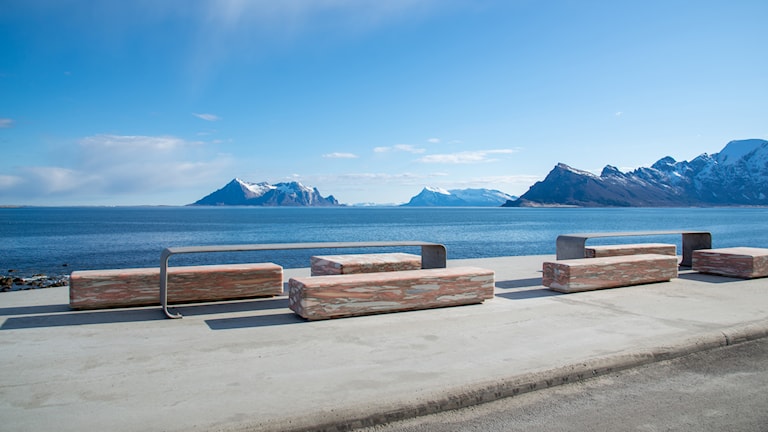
(254,321)
(519,283)
(708,278)
(521,289)
(45,316)
(31,310)
(529,294)
(76,318)
(227,307)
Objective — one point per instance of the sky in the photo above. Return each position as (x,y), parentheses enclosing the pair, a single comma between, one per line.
(149,102)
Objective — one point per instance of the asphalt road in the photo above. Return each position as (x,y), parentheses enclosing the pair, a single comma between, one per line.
(724,389)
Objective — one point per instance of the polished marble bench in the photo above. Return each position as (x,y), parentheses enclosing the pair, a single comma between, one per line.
(630,249)
(345,295)
(323,265)
(587,274)
(738,262)
(99,289)
(571,246)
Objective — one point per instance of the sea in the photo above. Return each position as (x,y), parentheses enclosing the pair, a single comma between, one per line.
(58,240)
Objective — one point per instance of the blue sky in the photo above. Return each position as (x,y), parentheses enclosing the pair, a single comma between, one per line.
(161,102)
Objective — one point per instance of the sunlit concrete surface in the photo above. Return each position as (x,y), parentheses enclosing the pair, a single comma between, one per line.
(254,365)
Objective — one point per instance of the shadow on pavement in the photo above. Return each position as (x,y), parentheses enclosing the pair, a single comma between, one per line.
(68,317)
(254,321)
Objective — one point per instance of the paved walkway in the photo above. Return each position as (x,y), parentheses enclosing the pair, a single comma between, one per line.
(254,365)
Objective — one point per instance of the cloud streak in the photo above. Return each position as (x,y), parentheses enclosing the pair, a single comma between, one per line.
(399,148)
(207,117)
(6,123)
(466,157)
(132,144)
(338,155)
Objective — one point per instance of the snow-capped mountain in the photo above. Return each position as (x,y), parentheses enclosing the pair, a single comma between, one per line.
(438,197)
(239,192)
(737,175)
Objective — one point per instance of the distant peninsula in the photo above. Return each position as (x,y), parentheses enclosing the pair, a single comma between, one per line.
(438,197)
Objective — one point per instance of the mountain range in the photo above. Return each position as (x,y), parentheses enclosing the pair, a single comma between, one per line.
(437,197)
(242,193)
(737,175)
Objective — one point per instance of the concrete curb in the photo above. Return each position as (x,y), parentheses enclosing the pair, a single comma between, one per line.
(348,419)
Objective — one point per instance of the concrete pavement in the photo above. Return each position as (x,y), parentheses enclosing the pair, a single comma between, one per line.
(254,365)
(716,390)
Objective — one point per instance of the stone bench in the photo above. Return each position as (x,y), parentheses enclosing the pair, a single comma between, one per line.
(363,263)
(97,289)
(739,262)
(433,255)
(630,249)
(334,296)
(588,274)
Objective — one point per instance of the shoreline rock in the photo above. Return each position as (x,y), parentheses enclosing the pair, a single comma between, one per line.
(37,281)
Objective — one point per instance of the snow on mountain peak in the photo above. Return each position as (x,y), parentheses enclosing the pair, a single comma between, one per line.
(255,189)
(437,190)
(736,150)
(569,168)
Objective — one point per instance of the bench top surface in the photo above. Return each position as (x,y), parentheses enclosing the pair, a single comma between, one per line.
(740,251)
(369,258)
(631,246)
(630,233)
(396,275)
(614,260)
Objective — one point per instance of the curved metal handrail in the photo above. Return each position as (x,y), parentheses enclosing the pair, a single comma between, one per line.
(571,246)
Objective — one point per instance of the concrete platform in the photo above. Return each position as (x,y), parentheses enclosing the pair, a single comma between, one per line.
(254,365)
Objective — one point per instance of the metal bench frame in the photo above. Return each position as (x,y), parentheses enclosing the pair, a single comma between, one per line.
(571,246)
(433,255)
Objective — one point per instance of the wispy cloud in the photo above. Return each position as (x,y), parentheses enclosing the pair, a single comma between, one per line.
(400,147)
(338,155)
(497,182)
(466,157)
(207,117)
(133,143)
(433,140)
(239,12)
(393,187)
(7,181)
(377,177)
(227,27)
(56,180)
(6,123)
(119,165)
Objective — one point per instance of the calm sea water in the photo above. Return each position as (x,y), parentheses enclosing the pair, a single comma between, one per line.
(57,241)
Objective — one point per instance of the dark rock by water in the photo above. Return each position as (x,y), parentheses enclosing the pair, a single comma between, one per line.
(16,283)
